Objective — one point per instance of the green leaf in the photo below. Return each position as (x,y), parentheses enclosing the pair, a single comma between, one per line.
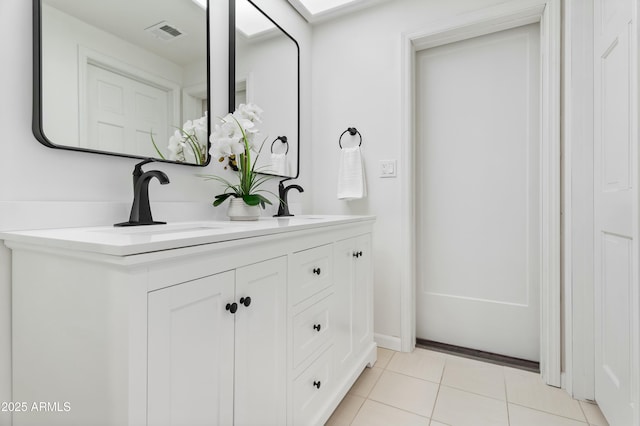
(155,146)
(263,200)
(251,199)
(221,199)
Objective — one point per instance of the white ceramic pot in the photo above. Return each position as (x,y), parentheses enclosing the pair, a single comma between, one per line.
(239,210)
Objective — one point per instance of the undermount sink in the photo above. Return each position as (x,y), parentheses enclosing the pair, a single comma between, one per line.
(159,229)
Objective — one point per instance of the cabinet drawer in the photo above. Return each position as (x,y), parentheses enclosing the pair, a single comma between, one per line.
(312,328)
(312,271)
(311,389)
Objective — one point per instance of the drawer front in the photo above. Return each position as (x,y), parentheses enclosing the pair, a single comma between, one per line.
(312,271)
(312,328)
(311,389)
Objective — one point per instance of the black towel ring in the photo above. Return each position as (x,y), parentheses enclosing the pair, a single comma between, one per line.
(282,139)
(352,131)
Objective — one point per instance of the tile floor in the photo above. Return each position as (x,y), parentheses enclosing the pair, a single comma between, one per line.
(433,389)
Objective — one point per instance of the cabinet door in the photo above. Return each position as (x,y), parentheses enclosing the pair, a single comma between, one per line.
(190,344)
(363,294)
(353,326)
(344,312)
(260,376)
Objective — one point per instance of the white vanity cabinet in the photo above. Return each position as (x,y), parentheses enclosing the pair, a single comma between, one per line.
(212,323)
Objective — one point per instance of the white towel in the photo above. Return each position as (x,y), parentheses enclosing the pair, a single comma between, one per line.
(351,178)
(279,164)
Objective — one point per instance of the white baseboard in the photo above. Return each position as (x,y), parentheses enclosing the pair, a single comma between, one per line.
(388,342)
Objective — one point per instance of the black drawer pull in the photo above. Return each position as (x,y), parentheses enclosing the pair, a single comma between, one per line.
(359,254)
(246,301)
(316,271)
(232,307)
(317,327)
(317,384)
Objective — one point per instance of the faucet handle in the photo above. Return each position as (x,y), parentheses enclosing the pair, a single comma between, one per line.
(137,170)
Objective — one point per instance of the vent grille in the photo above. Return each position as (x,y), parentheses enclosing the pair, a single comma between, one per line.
(165,31)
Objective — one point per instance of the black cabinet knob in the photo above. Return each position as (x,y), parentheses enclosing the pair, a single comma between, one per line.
(359,254)
(316,271)
(317,384)
(317,327)
(355,254)
(232,307)
(246,301)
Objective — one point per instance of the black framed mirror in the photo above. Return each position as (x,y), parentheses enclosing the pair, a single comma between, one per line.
(127,78)
(264,69)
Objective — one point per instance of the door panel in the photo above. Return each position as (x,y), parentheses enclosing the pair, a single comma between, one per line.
(615,171)
(122,111)
(478,186)
(190,370)
(363,328)
(353,328)
(261,341)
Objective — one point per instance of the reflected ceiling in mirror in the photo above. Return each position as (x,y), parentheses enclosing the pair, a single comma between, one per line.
(123,77)
(267,74)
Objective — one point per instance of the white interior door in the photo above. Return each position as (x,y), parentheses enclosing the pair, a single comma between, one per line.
(123,111)
(478,193)
(615,174)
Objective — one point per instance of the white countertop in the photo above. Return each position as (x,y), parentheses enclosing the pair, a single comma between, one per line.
(143,239)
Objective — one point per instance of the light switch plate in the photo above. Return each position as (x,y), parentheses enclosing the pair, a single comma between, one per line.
(388,168)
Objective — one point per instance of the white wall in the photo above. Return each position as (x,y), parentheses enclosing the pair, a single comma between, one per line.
(356,82)
(42,187)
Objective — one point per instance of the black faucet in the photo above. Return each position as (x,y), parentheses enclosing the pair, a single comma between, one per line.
(283,209)
(141,210)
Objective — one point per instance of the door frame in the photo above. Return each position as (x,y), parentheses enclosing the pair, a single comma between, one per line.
(489,20)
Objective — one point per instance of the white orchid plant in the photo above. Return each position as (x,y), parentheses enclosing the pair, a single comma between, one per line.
(234,140)
(188,143)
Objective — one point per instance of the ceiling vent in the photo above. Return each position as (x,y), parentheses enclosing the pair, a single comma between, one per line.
(165,31)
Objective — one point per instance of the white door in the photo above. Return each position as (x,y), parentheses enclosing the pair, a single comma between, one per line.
(123,111)
(261,343)
(478,193)
(615,174)
(191,349)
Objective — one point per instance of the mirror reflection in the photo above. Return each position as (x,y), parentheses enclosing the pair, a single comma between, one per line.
(266,74)
(127,77)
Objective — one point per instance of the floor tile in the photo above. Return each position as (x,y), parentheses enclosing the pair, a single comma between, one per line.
(474,376)
(346,411)
(434,423)
(420,363)
(593,414)
(404,392)
(384,356)
(528,389)
(367,380)
(523,416)
(375,414)
(462,408)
